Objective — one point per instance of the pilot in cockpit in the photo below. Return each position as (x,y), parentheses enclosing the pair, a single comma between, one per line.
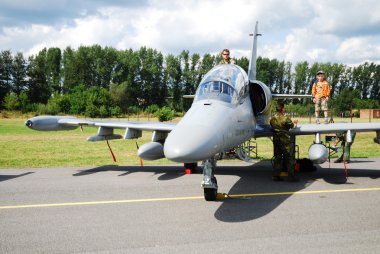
(226,57)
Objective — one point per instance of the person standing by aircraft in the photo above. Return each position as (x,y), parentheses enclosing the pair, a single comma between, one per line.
(226,57)
(344,150)
(321,94)
(282,144)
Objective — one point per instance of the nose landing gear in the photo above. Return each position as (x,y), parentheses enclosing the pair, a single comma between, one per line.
(209,182)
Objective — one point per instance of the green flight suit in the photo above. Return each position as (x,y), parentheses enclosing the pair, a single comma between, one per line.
(281,144)
(345,149)
(229,61)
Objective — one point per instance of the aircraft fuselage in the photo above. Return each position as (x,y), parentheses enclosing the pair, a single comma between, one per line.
(220,118)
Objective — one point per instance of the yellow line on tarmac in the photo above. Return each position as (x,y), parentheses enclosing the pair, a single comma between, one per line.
(100,202)
(185,198)
(301,192)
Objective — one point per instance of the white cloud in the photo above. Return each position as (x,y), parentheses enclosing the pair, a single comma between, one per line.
(292,30)
(360,48)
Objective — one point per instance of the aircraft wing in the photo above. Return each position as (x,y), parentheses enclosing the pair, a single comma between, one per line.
(145,126)
(106,127)
(308,129)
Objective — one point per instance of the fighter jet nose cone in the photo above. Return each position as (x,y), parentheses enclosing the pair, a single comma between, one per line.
(190,144)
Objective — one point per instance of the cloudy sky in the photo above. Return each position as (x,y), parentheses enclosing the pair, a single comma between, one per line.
(342,31)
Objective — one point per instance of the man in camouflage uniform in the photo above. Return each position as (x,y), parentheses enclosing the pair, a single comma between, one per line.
(226,57)
(281,143)
(344,150)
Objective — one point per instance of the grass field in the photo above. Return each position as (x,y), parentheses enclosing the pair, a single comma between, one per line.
(21,147)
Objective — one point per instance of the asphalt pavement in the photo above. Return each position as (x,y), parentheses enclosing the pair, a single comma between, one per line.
(159,209)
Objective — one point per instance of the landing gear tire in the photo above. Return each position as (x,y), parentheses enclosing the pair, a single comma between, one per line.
(210,194)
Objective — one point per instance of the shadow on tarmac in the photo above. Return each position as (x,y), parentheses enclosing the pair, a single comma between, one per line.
(253,179)
(167,172)
(256,178)
(9,177)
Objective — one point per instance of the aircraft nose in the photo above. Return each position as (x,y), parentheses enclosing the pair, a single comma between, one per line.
(191,144)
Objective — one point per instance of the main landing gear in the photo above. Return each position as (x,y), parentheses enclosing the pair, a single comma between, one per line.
(209,183)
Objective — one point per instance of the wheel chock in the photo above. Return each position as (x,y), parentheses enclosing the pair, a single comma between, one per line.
(221,196)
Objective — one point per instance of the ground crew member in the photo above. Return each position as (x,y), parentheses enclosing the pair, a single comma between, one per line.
(344,150)
(321,94)
(226,57)
(281,143)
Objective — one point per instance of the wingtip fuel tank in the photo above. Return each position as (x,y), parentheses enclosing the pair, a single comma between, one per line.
(48,123)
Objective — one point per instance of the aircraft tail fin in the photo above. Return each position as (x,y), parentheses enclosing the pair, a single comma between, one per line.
(252,62)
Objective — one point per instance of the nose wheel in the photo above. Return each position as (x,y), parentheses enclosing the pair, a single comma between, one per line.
(209,183)
(211,193)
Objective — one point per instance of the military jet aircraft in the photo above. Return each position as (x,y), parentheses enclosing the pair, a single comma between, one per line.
(229,108)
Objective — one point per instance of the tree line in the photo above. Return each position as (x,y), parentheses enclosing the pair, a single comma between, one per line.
(102,81)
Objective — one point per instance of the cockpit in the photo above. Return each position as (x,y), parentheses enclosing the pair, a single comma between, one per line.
(225,82)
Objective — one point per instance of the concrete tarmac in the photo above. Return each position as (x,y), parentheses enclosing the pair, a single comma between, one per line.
(159,209)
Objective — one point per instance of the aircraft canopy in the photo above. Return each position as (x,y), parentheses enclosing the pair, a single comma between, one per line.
(225,82)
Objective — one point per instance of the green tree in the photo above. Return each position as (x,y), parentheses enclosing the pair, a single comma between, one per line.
(188,76)
(86,65)
(126,78)
(267,71)
(345,80)
(105,64)
(70,71)
(375,91)
(120,95)
(11,101)
(19,69)
(365,104)
(208,61)
(243,62)
(301,80)
(362,78)
(153,91)
(173,74)
(5,74)
(335,74)
(39,90)
(53,69)
(165,114)
(78,100)
(345,100)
